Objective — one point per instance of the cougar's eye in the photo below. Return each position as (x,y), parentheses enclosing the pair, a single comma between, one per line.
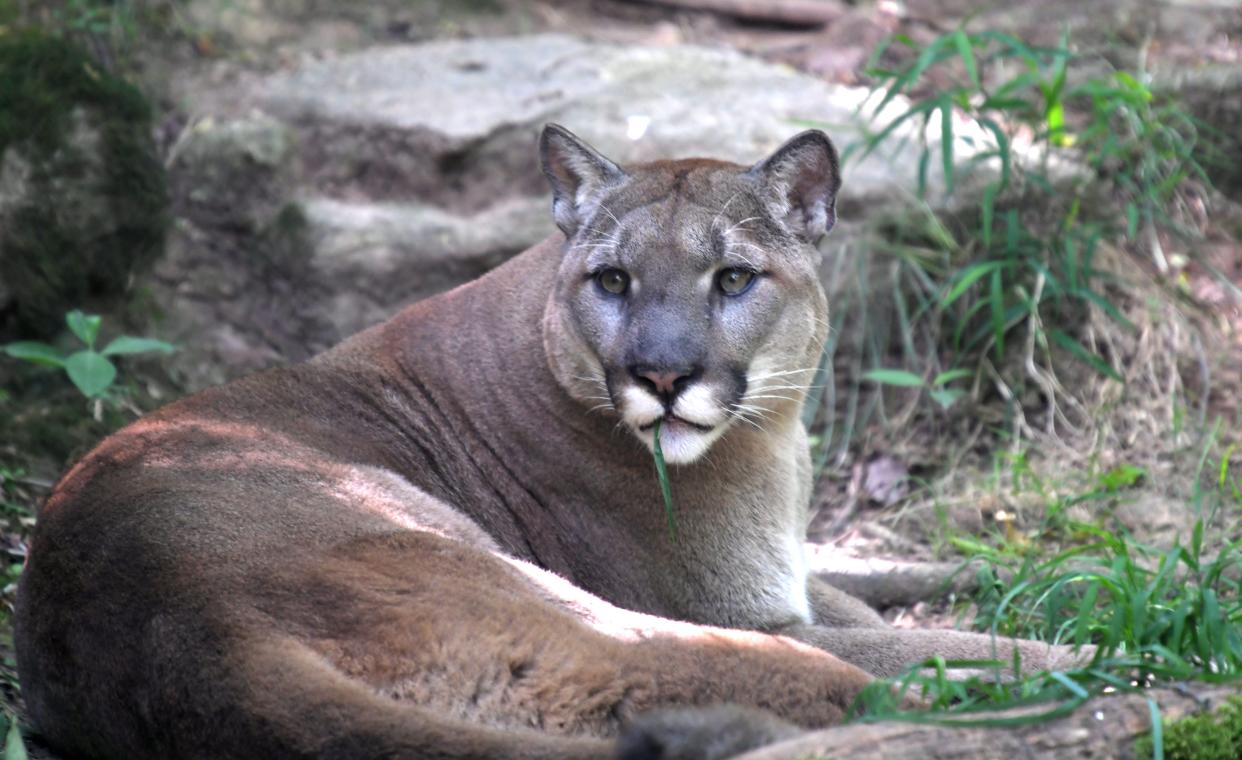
(613,280)
(734,282)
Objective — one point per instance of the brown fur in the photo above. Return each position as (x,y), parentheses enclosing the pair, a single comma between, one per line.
(421,545)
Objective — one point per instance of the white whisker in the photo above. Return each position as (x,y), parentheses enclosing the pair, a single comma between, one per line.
(761,412)
(716,218)
(762,387)
(611,216)
(766,375)
(739,224)
(739,416)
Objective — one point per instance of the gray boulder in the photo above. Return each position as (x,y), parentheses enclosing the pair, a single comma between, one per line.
(414,167)
(455,121)
(388,253)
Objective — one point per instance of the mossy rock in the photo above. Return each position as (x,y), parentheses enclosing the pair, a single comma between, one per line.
(1211,736)
(234,176)
(83,197)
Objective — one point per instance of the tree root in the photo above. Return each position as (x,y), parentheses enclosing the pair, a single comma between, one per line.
(1104,727)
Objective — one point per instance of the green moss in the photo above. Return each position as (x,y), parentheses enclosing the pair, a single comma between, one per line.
(88,202)
(284,247)
(1211,736)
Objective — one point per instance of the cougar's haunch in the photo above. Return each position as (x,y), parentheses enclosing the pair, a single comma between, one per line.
(444,537)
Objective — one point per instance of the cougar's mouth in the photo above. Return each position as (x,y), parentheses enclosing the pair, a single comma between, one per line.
(688,427)
(672,419)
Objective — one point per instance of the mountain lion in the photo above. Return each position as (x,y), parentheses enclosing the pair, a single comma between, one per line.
(444,538)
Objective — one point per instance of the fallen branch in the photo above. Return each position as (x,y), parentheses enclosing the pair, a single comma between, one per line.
(1104,727)
(886,583)
(792,12)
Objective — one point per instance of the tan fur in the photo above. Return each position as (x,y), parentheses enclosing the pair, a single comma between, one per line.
(422,544)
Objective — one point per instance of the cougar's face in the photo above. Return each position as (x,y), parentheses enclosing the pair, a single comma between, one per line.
(687,298)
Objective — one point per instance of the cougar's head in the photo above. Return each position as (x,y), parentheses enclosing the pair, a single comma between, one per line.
(688,291)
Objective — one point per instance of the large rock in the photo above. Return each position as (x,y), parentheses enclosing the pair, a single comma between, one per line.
(455,121)
(415,166)
(386,253)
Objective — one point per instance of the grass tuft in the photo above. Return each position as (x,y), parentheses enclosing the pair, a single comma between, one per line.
(1156,616)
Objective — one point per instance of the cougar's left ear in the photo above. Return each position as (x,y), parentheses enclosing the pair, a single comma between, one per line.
(801,180)
(579,176)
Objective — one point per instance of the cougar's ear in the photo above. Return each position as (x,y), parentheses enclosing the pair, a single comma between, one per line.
(578,174)
(800,181)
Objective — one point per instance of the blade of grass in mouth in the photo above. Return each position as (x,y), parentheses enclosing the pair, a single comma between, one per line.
(665,489)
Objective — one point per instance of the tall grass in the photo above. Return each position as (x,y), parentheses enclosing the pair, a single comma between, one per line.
(1068,159)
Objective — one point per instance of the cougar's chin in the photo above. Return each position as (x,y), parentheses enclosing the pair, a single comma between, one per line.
(687,430)
(681,441)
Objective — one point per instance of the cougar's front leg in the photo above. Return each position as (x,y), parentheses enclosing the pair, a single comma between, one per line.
(853,631)
(887,652)
(834,608)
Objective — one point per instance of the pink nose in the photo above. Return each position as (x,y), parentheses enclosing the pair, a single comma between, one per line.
(663,382)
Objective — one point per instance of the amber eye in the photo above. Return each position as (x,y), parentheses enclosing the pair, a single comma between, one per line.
(734,282)
(613,280)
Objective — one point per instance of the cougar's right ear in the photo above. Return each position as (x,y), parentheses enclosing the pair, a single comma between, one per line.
(579,176)
(801,181)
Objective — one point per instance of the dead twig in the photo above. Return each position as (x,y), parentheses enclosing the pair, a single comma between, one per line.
(791,12)
(886,583)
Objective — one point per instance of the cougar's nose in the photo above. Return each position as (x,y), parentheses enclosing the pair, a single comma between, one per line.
(663,382)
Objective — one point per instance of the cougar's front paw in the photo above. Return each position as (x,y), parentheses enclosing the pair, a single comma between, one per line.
(700,733)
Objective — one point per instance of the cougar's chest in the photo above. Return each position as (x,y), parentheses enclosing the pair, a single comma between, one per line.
(736,556)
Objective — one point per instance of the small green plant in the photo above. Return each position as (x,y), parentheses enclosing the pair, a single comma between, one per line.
(92,372)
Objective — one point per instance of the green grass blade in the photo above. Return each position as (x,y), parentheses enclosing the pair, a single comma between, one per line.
(967,54)
(1157,730)
(897,377)
(968,277)
(14,745)
(951,375)
(946,142)
(665,488)
(988,205)
(996,301)
(1080,352)
(1002,148)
